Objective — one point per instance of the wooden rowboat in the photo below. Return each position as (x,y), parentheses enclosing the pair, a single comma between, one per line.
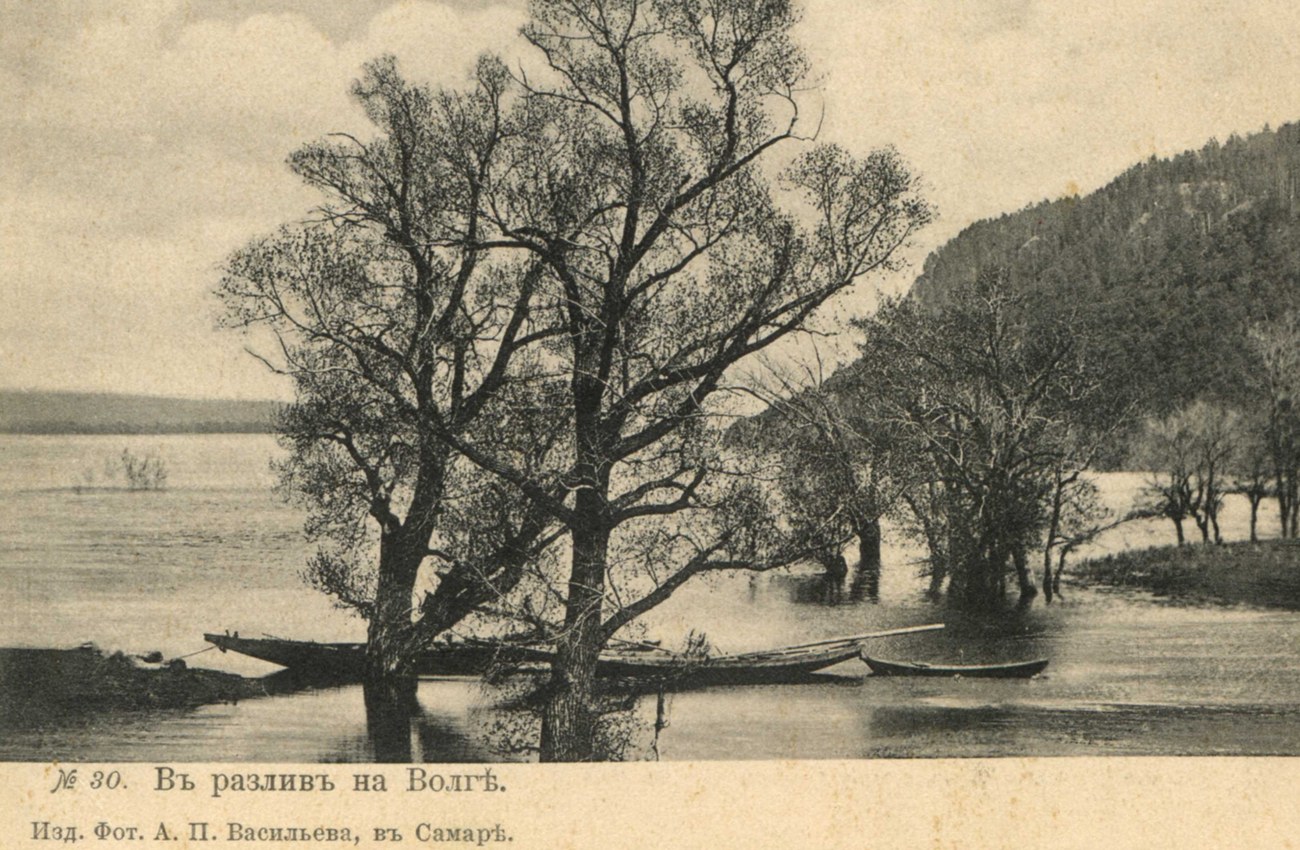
(759,668)
(1015,670)
(787,664)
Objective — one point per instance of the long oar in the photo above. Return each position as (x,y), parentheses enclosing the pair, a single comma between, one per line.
(641,644)
(906,630)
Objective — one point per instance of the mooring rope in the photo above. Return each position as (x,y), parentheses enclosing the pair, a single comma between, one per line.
(192,654)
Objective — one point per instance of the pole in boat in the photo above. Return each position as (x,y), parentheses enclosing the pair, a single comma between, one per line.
(905,630)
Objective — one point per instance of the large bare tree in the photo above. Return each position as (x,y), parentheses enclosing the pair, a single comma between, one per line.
(644,200)
(548,278)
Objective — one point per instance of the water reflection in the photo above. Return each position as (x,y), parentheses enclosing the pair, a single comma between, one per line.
(817,589)
(390,709)
(865,586)
(401,727)
(407,733)
(862,584)
(1126,677)
(500,722)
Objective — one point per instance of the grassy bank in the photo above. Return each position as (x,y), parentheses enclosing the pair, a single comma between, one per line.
(1265,574)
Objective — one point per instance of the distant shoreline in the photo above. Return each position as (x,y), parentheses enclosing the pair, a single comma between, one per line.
(58,429)
(1259,574)
(60,413)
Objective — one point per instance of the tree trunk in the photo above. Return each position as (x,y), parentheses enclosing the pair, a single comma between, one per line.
(868,544)
(403,546)
(835,566)
(1213,501)
(389,683)
(942,545)
(1053,529)
(1284,505)
(927,514)
(978,582)
(938,574)
(388,653)
(1178,529)
(1254,517)
(1203,526)
(1024,578)
(1060,568)
(866,581)
(568,715)
(1289,502)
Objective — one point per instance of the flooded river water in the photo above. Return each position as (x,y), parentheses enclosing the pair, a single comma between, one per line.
(217,550)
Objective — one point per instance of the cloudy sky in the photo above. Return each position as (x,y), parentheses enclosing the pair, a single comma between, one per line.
(144,139)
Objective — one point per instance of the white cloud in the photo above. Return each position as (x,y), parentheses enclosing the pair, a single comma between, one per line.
(142,150)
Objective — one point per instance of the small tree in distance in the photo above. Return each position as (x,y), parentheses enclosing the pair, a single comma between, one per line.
(1251,466)
(1190,455)
(141,472)
(1276,347)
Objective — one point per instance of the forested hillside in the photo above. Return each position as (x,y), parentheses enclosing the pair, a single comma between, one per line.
(1174,259)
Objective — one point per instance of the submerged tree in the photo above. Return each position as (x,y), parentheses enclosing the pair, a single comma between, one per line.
(1001,410)
(388,317)
(838,465)
(645,203)
(1075,516)
(523,304)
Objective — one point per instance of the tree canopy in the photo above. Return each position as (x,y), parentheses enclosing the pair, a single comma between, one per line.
(523,302)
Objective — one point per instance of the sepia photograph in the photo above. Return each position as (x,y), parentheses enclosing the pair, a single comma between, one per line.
(456,382)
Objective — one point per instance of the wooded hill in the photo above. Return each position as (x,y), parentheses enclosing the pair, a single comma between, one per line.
(1153,324)
(1173,260)
(25,412)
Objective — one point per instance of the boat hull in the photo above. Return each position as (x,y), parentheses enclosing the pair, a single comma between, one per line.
(1016,670)
(752,670)
(346,660)
(343,660)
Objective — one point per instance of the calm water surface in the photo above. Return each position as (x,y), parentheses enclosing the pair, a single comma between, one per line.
(217,550)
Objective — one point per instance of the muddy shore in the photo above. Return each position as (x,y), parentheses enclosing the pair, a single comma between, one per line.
(43,684)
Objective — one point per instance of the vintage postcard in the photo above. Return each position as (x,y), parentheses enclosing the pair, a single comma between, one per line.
(618,423)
